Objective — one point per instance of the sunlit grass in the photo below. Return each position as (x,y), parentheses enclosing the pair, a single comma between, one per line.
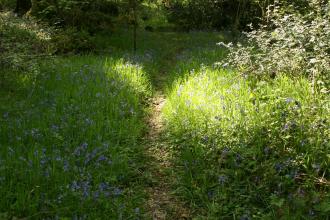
(249,149)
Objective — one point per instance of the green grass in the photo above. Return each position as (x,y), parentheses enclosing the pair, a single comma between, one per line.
(250,150)
(69,142)
(165,54)
(71,129)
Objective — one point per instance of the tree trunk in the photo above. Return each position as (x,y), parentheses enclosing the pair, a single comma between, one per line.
(22,6)
(134,36)
(134,24)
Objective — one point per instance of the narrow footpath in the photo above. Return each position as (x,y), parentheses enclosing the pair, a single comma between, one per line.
(162,203)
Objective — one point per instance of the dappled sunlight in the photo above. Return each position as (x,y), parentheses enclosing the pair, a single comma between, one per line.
(139,109)
(223,123)
(132,73)
(28,24)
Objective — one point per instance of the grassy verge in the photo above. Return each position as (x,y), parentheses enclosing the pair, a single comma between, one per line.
(69,141)
(246,149)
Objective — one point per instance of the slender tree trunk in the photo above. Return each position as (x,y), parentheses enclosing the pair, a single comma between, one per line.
(22,6)
(238,16)
(17,6)
(134,36)
(135,25)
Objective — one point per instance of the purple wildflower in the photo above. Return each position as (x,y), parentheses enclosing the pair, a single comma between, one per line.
(43,150)
(58,158)
(85,188)
(74,186)
(96,195)
(117,191)
(222,179)
(102,158)
(84,146)
(43,162)
(103,186)
(238,159)
(210,194)
(66,166)
(278,167)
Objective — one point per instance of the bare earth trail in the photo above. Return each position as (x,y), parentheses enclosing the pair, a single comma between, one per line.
(162,203)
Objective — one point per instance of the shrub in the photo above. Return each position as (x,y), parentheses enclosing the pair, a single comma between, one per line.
(70,40)
(86,15)
(23,41)
(202,14)
(290,43)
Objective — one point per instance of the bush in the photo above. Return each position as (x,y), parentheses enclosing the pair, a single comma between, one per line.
(5,4)
(210,14)
(83,15)
(22,42)
(290,43)
(259,150)
(70,40)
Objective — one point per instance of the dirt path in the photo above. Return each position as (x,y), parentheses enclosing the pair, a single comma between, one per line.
(162,204)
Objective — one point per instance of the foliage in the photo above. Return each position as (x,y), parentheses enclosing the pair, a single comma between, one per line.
(252,150)
(211,14)
(89,15)
(71,40)
(290,43)
(226,14)
(5,4)
(23,41)
(250,142)
(69,142)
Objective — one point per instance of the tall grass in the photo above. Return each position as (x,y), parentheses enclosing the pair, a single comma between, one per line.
(250,150)
(69,143)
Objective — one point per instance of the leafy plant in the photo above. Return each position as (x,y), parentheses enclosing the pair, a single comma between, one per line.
(289,43)
(23,42)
